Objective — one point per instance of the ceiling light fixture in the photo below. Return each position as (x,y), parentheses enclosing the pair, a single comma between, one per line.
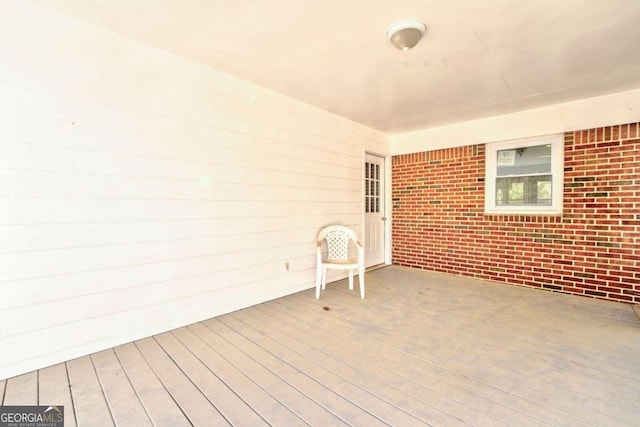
(405,34)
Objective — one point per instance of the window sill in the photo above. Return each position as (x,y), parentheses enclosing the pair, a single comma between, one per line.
(524,211)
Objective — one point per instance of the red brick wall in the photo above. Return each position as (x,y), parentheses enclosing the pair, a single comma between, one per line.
(592,249)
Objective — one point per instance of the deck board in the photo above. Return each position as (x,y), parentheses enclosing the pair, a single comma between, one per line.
(265,367)
(89,403)
(193,403)
(227,402)
(125,406)
(22,390)
(53,390)
(421,349)
(158,403)
(247,379)
(261,402)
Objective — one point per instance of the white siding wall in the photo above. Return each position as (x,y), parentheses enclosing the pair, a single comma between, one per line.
(140,192)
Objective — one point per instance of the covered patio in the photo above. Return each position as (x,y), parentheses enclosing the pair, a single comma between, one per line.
(422,349)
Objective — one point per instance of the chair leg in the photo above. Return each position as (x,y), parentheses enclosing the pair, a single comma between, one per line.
(324,278)
(361,280)
(318,281)
(350,279)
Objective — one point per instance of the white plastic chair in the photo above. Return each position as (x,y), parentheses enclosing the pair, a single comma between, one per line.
(338,238)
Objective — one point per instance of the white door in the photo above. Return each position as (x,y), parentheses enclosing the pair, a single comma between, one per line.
(374,220)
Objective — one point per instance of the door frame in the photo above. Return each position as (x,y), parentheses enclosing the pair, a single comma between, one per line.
(386,204)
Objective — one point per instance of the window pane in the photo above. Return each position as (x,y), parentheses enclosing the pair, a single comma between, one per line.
(544,190)
(516,192)
(524,190)
(524,161)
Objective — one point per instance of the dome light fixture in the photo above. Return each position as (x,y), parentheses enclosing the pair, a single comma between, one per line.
(405,34)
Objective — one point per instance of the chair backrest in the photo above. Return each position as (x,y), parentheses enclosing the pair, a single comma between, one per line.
(337,237)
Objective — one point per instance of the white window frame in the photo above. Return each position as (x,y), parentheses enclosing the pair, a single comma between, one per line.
(557,173)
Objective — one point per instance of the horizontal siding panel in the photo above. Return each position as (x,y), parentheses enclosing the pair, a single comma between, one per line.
(24,211)
(35,237)
(27,265)
(122,235)
(30,184)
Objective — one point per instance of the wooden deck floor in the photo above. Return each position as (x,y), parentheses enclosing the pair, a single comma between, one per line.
(422,349)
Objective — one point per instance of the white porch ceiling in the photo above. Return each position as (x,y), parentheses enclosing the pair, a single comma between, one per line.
(477,59)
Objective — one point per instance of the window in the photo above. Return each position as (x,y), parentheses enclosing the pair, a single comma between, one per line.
(371,187)
(525,176)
